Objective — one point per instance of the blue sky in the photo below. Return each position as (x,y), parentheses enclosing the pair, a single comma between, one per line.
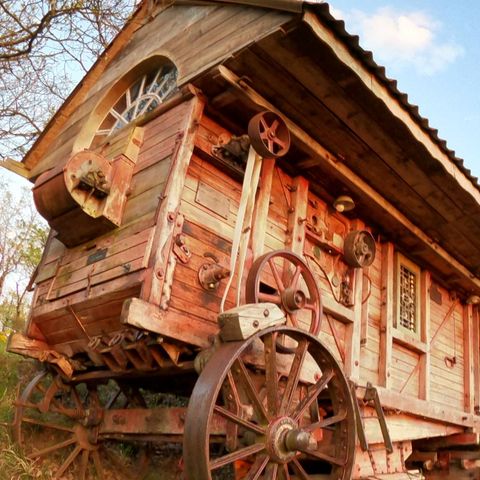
(433,49)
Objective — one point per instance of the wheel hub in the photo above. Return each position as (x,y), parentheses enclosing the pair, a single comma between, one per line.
(86,437)
(293,299)
(284,439)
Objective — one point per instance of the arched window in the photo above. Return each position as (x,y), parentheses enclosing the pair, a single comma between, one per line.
(142,96)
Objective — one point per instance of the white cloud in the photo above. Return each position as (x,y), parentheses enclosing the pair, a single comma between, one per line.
(403,39)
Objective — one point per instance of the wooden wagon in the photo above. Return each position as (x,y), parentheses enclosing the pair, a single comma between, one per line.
(245,212)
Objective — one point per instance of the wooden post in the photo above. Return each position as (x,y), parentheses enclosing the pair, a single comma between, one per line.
(261,208)
(424,372)
(387,312)
(168,208)
(469,385)
(353,331)
(298,215)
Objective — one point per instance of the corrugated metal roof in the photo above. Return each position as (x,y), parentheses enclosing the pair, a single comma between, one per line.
(353,43)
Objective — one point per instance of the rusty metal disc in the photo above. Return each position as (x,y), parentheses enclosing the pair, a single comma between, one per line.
(359,249)
(254,413)
(61,422)
(283,278)
(269,135)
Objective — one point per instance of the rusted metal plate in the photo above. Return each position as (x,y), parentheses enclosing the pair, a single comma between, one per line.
(212,199)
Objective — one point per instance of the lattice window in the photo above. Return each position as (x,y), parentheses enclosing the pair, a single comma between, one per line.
(408,299)
(145,94)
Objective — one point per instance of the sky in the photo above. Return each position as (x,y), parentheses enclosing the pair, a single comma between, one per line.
(432,48)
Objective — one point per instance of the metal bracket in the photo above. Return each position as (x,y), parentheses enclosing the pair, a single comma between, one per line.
(371,394)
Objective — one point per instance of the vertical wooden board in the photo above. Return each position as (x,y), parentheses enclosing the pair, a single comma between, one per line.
(387,312)
(468,342)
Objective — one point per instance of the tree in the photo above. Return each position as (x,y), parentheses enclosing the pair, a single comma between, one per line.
(45,48)
(22,238)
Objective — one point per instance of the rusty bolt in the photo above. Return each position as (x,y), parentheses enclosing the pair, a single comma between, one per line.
(180,241)
(171,216)
(256,323)
(160,273)
(212,286)
(266,312)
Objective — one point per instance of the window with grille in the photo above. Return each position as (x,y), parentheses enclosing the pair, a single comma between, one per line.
(408,300)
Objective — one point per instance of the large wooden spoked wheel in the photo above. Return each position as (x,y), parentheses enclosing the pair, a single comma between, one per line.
(58,424)
(283,278)
(283,416)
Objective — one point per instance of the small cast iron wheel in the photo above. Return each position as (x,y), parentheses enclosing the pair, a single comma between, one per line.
(282,416)
(359,249)
(269,135)
(292,288)
(58,423)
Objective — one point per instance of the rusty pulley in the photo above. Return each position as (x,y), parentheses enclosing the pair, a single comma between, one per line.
(269,135)
(359,249)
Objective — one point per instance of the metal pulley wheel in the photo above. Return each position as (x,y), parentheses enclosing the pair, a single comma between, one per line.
(255,413)
(269,135)
(359,249)
(293,288)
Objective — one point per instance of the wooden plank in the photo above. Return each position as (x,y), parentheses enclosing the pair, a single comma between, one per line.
(140,314)
(476,357)
(297,216)
(386,326)
(425,372)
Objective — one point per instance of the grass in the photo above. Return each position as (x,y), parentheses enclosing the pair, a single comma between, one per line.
(14,371)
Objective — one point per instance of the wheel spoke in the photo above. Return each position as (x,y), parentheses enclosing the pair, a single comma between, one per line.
(294,376)
(295,277)
(223,412)
(83,465)
(269,297)
(53,448)
(286,472)
(271,472)
(77,400)
(311,306)
(46,425)
(327,421)
(271,376)
(244,378)
(276,275)
(257,468)
(98,464)
(279,142)
(325,457)
(238,455)
(313,394)
(293,319)
(73,455)
(300,470)
(263,124)
(274,126)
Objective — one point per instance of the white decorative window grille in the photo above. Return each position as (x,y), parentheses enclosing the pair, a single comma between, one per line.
(408,299)
(141,97)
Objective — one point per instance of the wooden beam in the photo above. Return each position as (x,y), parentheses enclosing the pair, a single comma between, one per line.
(331,163)
(381,91)
(387,312)
(262,206)
(15,167)
(428,410)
